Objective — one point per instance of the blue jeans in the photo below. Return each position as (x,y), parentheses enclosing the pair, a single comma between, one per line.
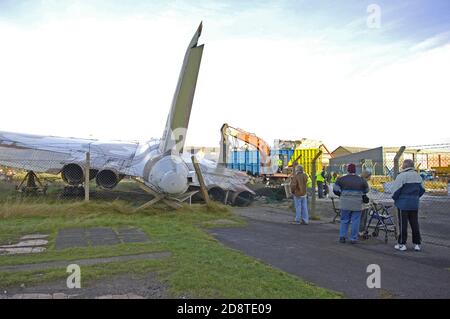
(348,216)
(301,209)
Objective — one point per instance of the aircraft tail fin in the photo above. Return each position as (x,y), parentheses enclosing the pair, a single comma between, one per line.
(174,135)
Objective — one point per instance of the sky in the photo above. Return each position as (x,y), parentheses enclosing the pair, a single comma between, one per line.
(336,71)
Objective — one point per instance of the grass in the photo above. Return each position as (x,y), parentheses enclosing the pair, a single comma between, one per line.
(199,267)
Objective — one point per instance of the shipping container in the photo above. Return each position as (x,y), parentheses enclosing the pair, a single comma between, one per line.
(250,161)
(304,157)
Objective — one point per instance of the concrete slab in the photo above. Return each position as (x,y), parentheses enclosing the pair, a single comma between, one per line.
(100,241)
(16,251)
(98,236)
(130,230)
(135,239)
(27,243)
(72,232)
(68,242)
(100,232)
(132,235)
(34,236)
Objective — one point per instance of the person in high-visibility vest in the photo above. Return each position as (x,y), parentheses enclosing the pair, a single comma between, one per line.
(309,181)
(320,179)
(309,186)
(334,177)
(280,165)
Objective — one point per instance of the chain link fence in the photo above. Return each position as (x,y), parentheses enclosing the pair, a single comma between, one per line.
(381,166)
(55,180)
(431,162)
(52,180)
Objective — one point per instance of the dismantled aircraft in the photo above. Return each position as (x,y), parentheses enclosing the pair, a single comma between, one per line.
(159,163)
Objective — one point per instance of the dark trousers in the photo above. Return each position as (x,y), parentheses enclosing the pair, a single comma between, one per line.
(325,188)
(411,216)
(320,189)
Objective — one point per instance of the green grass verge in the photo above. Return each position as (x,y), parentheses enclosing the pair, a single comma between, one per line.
(200,266)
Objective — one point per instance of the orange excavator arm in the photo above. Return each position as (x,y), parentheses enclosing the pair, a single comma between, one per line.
(246,137)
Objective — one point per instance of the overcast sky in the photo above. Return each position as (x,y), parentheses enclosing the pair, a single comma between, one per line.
(281,69)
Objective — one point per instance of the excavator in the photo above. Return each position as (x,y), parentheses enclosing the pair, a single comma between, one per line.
(269,164)
(274,183)
(246,137)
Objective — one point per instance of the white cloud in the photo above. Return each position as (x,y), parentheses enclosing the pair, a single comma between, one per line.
(432,42)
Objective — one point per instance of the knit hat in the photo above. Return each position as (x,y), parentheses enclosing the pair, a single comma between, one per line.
(351,168)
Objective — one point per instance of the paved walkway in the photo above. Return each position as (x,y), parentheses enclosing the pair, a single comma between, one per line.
(314,254)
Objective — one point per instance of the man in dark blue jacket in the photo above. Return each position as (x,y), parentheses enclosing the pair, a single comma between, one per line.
(407,190)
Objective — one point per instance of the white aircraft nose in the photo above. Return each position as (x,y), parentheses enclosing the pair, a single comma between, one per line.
(170,175)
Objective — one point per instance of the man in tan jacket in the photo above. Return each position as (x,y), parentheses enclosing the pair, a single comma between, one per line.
(299,182)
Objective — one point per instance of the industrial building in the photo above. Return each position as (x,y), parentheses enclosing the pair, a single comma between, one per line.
(380,160)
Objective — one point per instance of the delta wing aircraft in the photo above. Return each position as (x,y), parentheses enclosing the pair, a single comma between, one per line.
(159,163)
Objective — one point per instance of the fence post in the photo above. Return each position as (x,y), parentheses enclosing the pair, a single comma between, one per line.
(201,181)
(87,169)
(397,161)
(313,179)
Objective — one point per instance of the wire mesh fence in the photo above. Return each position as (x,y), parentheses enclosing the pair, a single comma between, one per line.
(432,163)
(60,179)
(58,175)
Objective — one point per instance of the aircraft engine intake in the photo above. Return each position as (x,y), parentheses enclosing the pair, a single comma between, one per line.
(107,179)
(242,199)
(217,194)
(72,174)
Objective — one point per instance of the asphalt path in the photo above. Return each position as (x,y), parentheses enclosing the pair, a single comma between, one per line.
(314,254)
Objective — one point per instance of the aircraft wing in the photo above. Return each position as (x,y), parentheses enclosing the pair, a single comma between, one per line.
(49,154)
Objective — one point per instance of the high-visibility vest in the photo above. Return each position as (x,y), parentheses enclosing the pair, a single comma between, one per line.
(333,179)
(280,162)
(308,182)
(319,177)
